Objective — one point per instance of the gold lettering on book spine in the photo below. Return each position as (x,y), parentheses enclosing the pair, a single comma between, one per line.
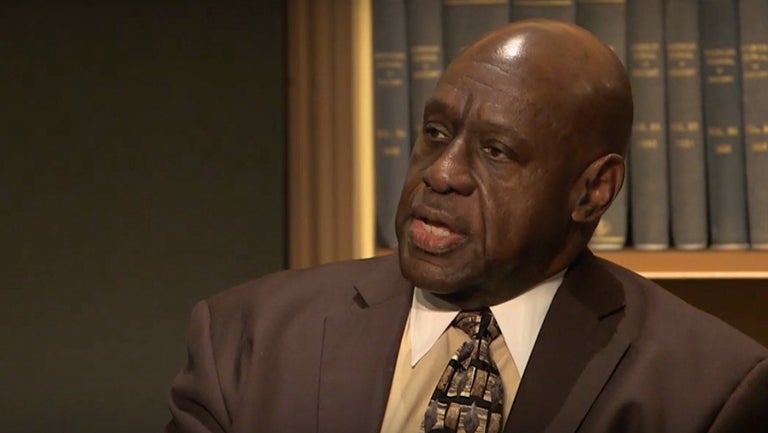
(682,61)
(754,58)
(644,58)
(720,65)
(389,68)
(424,62)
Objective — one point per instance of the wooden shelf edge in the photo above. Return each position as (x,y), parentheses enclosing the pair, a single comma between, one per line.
(703,264)
(703,275)
(679,264)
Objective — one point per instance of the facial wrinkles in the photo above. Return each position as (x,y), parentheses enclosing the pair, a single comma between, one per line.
(493,110)
(461,103)
(540,117)
(497,77)
(454,100)
(507,99)
(474,115)
(504,102)
(504,119)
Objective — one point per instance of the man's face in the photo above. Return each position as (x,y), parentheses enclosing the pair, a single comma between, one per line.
(485,205)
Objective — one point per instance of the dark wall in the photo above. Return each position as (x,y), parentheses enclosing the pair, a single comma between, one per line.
(142,167)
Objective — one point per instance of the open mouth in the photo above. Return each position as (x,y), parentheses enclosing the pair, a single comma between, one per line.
(434,237)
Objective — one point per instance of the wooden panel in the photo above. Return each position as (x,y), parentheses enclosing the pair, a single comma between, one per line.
(329,176)
(704,264)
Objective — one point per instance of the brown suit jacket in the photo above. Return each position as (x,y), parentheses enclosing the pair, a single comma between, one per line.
(314,351)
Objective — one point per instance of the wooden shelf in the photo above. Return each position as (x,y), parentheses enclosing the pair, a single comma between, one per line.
(703,264)
(678,264)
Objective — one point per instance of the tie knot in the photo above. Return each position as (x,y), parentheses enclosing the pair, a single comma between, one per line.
(478,324)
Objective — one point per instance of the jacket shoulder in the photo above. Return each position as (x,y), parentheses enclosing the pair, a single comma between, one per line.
(665,316)
(318,287)
(683,368)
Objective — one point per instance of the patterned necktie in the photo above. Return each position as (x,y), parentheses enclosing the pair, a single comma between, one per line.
(469,395)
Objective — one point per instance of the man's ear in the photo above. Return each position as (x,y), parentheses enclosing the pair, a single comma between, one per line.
(596,188)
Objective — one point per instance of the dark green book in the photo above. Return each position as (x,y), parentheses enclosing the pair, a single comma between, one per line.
(754,58)
(391,120)
(425,45)
(649,198)
(687,174)
(723,138)
(561,10)
(466,20)
(607,20)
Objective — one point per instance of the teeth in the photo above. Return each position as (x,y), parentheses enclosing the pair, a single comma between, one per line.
(437,231)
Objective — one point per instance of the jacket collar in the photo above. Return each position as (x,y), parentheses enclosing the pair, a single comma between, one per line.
(579,346)
(360,347)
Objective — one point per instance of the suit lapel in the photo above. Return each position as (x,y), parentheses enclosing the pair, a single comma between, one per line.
(360,346)
(577,350)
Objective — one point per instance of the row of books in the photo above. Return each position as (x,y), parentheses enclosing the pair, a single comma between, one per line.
(698,158)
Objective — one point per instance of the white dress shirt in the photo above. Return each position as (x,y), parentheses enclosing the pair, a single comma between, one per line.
(519,319)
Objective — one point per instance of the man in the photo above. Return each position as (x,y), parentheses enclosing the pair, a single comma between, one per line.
(520,155)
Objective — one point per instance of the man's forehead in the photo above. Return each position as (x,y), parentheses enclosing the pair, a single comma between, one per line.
(481,83)
(496,52)
(449,97)
(482,72)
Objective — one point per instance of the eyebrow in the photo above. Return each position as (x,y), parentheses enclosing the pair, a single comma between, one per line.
(520,143)
(436,104)
(492,123)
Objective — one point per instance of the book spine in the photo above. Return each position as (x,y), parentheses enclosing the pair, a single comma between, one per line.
(425,49)
(753,19)
(391,118)
(561,10)
(649,199)
(687,174)
(607,20)
(724,142)
(466,20)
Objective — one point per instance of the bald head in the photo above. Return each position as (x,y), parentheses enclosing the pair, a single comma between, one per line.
(575,77)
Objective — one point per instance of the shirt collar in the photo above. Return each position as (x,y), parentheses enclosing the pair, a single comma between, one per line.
(519,319)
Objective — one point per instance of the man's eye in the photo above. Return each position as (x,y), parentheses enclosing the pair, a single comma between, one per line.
(494,152)
(434,133)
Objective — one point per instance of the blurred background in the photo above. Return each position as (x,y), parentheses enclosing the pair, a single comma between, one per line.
(142,167)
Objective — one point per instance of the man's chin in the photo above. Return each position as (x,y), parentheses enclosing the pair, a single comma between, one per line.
(433,276)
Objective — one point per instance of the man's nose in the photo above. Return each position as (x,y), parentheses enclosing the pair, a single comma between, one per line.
(451,171)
